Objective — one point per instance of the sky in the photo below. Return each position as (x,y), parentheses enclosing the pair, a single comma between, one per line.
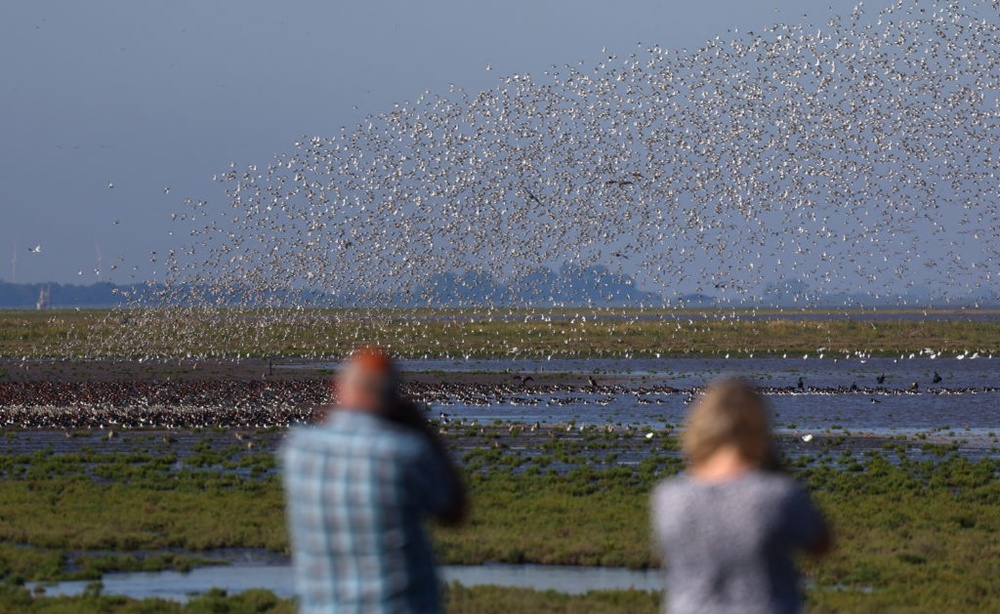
(113,113)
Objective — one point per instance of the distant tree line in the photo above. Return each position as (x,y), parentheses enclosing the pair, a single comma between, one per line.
(568,286)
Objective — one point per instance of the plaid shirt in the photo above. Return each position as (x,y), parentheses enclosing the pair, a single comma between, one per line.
(359,489)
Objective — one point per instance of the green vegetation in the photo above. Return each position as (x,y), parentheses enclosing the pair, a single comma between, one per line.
(497,600)
(124,503)
(16,600)
(459,600)
(912,535)
(481,333)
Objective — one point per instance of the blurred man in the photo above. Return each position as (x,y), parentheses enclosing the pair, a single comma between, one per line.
(359,488)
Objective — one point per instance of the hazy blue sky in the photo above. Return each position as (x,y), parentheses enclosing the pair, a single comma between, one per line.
(154,95)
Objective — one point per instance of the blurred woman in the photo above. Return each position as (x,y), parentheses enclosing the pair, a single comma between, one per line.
(729,526)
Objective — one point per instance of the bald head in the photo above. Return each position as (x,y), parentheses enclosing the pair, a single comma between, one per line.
(367,382)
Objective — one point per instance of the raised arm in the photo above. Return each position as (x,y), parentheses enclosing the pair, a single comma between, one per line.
(454,507)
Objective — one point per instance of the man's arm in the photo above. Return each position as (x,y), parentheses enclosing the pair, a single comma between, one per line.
(456,512)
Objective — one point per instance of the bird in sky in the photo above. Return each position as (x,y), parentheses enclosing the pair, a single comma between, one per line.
(855,155)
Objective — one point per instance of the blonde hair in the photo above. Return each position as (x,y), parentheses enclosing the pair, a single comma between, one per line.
(731,412)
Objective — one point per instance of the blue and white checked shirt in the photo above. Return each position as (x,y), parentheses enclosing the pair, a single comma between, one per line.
(359,489)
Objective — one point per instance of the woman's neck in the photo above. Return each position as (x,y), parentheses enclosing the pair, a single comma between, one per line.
(723,465)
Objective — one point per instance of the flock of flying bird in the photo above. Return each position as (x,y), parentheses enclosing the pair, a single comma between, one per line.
(858,156)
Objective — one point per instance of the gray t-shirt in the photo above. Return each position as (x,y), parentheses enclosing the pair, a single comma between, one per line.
(728,547)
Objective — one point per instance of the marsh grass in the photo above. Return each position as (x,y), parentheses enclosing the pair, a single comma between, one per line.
(499,600)
(475,333)
(17,600)
(458,600)
(55,510)
(912,535)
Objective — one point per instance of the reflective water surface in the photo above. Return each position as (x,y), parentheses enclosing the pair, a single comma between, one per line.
(178,586)
(835,391)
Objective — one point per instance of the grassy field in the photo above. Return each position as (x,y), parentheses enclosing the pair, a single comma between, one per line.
(912,535)
(494,333)
(458,599)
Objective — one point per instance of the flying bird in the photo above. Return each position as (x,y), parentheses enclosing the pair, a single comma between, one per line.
(837,187)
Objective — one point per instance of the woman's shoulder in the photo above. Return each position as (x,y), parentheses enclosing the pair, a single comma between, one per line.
(673,490)
(783,491)
(775,483)
(676,482)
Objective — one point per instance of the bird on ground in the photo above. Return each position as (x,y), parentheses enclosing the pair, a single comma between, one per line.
(881,378)
(807,438)
(801,384)
(937,378)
